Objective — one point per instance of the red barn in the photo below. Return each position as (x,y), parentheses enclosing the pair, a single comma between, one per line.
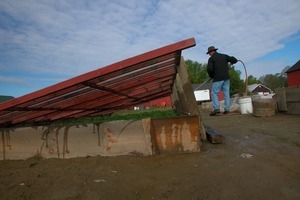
(293,75)
(162,102)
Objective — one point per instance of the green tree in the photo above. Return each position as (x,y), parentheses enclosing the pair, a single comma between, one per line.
(237,85)
(252,80)
(274,81)
(197,72)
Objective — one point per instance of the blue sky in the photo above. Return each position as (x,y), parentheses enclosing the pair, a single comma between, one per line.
(45,42)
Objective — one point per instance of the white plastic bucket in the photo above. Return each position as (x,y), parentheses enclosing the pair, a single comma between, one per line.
(245,105)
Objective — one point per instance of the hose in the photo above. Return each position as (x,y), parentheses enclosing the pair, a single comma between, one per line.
(246,80)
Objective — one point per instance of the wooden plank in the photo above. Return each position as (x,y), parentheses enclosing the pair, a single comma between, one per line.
(185,90)
(187,103)
(293,108)
(213,136)
(281,99)
(289,99)
(292,94)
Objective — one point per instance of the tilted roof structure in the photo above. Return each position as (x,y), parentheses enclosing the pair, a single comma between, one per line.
(256,85)
(101,92)
(295,67)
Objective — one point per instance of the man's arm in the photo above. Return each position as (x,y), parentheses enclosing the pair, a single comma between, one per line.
(232,59)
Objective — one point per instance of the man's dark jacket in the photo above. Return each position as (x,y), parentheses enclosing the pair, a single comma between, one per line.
(217,66)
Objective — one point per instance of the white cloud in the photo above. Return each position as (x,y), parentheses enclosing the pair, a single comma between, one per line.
(11,80)
(69,38)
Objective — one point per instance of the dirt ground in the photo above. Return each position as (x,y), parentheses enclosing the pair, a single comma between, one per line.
(260,159)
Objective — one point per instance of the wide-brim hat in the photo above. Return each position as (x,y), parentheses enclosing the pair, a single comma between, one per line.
(211,48)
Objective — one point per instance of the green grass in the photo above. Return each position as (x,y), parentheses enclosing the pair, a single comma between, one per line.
(153,113)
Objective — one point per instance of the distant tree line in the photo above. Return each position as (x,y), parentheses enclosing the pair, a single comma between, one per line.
(198,74)
(5,98)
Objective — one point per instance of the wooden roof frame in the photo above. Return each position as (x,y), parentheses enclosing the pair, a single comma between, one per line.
(103,91)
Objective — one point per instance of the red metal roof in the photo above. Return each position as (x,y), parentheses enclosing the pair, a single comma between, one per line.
(295,67)
(103,91)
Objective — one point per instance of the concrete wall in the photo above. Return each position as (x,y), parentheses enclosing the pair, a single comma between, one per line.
(106,139)
(113,138)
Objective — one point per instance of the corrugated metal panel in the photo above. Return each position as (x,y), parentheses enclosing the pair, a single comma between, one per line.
(103,91)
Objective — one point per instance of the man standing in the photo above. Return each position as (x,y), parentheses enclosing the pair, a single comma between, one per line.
(218,70)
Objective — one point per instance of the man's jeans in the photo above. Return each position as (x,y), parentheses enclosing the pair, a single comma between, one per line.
(216,88)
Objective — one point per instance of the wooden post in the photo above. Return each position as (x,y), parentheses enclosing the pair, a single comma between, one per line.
(3,144)
(183,96)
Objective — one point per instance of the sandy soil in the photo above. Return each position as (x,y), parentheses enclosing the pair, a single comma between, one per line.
(260,159)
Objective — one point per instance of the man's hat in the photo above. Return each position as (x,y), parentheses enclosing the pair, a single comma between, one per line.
(211,48)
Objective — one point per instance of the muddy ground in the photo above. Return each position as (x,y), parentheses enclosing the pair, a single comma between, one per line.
(260,159)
